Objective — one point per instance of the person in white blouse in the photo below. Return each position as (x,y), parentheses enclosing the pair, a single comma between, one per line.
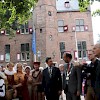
(2,86)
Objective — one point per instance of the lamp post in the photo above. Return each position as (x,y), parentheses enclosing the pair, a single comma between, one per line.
(39,55)
(74,29)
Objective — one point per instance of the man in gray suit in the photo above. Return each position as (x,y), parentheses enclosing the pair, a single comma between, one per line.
(73,78)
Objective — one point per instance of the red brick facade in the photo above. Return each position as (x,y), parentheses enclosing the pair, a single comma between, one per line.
(48,40)
(15,46)
(47,36)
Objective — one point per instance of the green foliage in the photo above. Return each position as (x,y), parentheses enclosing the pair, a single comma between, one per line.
(14,12)
(83,4)
(96,13)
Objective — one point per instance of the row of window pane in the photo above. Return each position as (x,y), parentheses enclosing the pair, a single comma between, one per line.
(82,50)
(79,25)
(24,28)
(82,54)
(80,22)
(24,49)
(81,45)
(25,56)
(80,28)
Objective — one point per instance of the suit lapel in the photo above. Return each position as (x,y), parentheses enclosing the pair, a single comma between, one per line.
(47,73)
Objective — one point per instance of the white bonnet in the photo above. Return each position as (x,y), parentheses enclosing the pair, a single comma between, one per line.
(27,67)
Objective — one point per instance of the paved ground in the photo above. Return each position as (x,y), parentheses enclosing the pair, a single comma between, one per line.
(63,97)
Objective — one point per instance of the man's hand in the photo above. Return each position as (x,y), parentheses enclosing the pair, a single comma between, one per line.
(78,93)
(43,93)
(59,92)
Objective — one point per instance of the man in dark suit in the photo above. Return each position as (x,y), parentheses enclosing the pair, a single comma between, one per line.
(96,50)
(51,82)
(91,76)
(73,78)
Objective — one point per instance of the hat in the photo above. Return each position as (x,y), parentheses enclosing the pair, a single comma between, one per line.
(28,67)
(38,63)
(2,75)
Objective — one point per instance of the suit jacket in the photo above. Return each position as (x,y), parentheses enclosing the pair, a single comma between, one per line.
(97,82)
(51,85)
(74,83)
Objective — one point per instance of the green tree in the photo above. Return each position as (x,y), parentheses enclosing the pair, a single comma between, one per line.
(14,12)
(83,4)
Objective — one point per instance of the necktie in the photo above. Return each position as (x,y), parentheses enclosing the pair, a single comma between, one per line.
(50,71)
(68,68)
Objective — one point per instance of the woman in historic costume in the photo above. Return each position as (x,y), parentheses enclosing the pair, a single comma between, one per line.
(20,83)
(28,78)
(2,86)
(36,83)
(9,72)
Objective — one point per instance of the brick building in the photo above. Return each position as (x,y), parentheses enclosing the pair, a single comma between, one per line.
(18,48)
(60,26)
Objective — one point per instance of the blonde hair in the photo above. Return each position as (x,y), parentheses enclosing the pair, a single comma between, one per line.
(16,65)
(9,64)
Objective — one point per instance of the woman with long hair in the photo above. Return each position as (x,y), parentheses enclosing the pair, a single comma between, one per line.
(20,83)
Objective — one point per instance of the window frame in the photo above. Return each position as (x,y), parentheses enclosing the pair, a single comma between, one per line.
(61,26)
(25,51)
(63,50)
(79,26)
(24,28)
(82,50)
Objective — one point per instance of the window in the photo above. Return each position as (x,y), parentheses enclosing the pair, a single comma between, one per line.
(67,4)
(25,52)
(41,30)
(7,53)
(82,49)
(60,26)
(7,31)
(62,48)
(79,25)
(24,28)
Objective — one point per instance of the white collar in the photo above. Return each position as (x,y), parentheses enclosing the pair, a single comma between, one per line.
(98,58)
(10,72)
(70,62)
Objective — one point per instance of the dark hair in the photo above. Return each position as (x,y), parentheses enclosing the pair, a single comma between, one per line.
(47,58)
(69,55)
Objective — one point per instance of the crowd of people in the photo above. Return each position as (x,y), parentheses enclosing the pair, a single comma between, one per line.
(23,83)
